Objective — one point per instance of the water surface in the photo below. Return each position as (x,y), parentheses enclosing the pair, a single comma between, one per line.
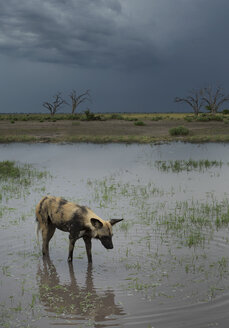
(169,265)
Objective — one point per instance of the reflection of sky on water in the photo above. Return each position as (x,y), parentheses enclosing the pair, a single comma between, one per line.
(78,171)
(130,163)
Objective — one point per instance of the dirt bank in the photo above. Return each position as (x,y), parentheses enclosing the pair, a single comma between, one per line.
(110,131)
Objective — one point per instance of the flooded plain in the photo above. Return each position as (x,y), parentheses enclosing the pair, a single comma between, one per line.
(170,262)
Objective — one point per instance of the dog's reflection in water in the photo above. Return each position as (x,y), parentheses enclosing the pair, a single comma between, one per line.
(73,301)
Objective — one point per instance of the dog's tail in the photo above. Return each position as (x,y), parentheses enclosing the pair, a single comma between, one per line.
(38,228)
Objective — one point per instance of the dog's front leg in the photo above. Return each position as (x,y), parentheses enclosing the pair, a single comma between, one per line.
(72,241)
(87,241)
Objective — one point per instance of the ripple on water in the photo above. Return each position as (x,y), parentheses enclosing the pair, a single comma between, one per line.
(153,277)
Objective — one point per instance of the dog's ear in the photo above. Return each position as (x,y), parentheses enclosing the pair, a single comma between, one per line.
(114,221)
(96,223)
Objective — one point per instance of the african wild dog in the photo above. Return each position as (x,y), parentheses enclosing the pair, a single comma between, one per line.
(79,221)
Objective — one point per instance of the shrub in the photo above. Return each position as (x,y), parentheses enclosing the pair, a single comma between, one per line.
(179,131)
(13,118)
(89,116)
(131,119)
(225,111)
(157,118)
(189,118)
(217,117)
(139,123)
(203,118)
(116,116)
(209,117)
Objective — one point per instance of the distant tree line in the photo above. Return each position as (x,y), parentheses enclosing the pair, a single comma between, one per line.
(209,97)
(58,101)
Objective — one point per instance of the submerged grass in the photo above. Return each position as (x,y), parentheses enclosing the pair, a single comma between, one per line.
(9,170)
(167,238)
(191,223)
(17,181)
(12,174)
(177,166)
(195,222)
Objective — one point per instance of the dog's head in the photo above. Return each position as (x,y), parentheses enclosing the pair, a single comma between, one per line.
(103,231)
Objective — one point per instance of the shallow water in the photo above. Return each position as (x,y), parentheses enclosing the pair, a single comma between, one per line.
(169,265)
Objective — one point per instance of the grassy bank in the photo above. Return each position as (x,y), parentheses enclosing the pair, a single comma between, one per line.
(119,128)
(83,116)
(112,139)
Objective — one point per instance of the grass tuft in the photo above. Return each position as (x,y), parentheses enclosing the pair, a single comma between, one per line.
(179,131)
(139,123)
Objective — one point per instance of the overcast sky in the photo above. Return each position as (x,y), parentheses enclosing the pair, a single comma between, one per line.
(134,55)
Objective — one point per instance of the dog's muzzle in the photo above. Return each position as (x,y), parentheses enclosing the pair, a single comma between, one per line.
(107,242)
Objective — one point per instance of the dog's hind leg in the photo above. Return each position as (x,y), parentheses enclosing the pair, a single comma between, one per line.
(47,233)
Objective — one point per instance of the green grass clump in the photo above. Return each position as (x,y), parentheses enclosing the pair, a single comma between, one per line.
(222,220)
(157,118)
(179,131)
(139,123)
(90,116)
(194,239)
(8,169)
(17,138)
(204,117)
(16,181)
(22,176)
(39,117)
(116,116)
(210,117)
(189,118)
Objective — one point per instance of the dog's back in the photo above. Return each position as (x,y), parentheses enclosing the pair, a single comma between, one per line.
(61,213)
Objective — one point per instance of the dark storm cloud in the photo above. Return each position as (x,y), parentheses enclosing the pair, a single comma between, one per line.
(135,55)
(82,32)
(109,33)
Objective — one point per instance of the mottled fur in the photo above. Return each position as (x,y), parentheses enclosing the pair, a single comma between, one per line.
(56,212)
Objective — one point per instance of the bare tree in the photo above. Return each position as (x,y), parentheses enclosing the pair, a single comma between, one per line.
(55,105)
(78,99)
(194,100)
(214,98)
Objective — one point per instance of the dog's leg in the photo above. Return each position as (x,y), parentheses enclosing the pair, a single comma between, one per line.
(44,232)
(47,233)
(87,241)
(72,241)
